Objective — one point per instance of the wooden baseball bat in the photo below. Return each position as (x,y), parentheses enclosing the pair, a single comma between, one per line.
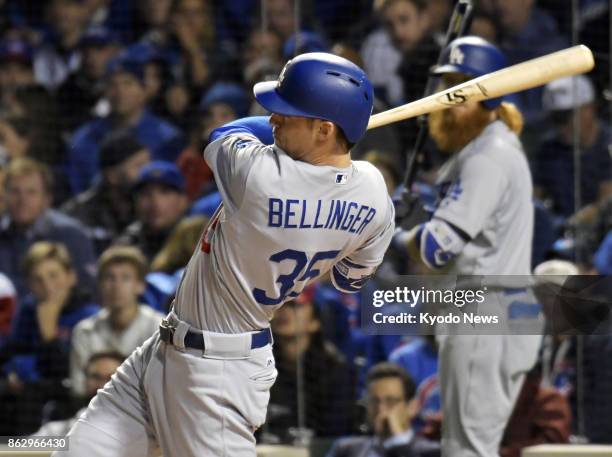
(522,76)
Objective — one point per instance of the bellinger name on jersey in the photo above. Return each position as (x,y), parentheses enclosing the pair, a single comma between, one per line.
(343,215)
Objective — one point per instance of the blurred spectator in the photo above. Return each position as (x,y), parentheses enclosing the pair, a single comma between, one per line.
(385,139)
(597,387)
(603,256)
(558,367)
(106,208)
(281,18)
(553,165)
(439,12)
(484,26)
(206,205)
(98,371)
(525,32)
(168,265)
(231,96)
(8,304)
(391,406)
(541,415)
(161,201)
(409,23)
(194,28)
(16,68)
(83,89)
(2,189)
(602,223)
(381,60)
(328,400)
(36,357)
(14,140)
(234,20)
(128,99)
(544,233)
(387,168)
(156,75)
(39,115)
(409,26)
(303,42)
(123,324)
(178,104)
(59,55)
(152,18)
(179,247)
(29,218)
(594,20)
(420,360)
(261,58)
(116,15)
(222,103)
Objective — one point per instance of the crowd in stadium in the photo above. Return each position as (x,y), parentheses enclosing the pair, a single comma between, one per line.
(105,109)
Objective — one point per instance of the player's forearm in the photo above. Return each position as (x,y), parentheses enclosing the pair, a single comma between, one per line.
(435,243)
(258,126)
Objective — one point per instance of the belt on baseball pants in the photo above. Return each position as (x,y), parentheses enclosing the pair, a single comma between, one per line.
(195,339)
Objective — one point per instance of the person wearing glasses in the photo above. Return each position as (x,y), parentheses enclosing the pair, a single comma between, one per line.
(391,406)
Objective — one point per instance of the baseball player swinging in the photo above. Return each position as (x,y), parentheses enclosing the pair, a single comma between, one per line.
(292,211)
(482,226)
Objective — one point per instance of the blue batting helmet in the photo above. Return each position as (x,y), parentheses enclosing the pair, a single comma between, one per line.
(322,86)
(473,56)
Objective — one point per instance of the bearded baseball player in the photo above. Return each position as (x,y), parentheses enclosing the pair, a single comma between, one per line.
(482,225)
(294,207)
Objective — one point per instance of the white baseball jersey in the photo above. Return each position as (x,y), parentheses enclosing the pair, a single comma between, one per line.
(282,224)
(487,190)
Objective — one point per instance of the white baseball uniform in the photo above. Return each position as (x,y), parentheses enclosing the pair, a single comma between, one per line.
(487,191)
(282,224)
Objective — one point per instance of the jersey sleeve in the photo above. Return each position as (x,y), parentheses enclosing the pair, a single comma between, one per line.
(473,196)
(352,272)
(231,154)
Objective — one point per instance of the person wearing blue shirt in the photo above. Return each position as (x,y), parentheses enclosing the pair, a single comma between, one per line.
(30,218)
(35,360)
(127,96)
(420,359)
(553,165)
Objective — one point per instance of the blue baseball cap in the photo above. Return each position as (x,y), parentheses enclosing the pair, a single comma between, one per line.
(144,52)
(230,93)
(160,172)
(302,42)
(603,256)
(16,50)
(99,36)
(124,64)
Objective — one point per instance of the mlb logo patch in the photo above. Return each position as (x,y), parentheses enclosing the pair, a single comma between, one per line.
(341,178)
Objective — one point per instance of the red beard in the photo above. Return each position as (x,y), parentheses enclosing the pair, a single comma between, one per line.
(452,129)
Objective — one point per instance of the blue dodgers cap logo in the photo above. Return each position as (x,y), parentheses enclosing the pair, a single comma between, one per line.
(281,77)
(456,56)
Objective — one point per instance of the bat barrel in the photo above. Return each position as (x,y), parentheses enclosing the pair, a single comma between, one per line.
(516,78)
